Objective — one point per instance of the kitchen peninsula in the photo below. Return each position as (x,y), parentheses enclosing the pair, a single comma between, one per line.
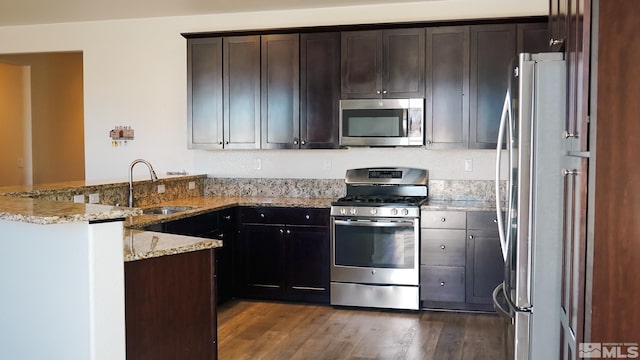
(72,304)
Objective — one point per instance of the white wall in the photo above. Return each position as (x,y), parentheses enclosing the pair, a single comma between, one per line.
(135,74)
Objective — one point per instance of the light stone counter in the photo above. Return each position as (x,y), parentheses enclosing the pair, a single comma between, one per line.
(38,211)
(140,244)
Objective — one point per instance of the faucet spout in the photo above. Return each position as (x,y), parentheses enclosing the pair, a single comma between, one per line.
(152,173)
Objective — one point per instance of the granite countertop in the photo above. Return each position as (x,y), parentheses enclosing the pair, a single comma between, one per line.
(203,204)
(44,212)
(140,244)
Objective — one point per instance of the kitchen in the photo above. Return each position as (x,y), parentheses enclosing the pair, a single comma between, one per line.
(151,103)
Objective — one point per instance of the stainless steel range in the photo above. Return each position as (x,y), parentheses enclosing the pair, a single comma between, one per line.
(375,238)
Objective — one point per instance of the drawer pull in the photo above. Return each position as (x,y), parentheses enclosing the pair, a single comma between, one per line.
(470,237)
(262,215)
(281,231)
(288,231)
(495,221)
(443,219)
(441,283)
(442,246)
(307,217)
(227,217)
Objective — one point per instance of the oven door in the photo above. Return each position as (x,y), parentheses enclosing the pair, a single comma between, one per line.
(375,250)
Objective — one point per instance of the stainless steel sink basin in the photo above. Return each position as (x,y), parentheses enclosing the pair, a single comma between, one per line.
(166,210)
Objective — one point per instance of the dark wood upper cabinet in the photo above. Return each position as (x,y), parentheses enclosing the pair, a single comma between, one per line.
(383,63)
(241,92)
(204,90)
(533,38)
(492,49)
(447,87)
(280,91)
(319,90)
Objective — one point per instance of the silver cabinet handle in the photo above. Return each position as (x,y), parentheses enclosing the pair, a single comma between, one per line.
(442,246)
(295,142)
(307,217)
(441,283)
(303,142)
(262,215)
(378,92)
(470,237)
(219,142)
(227,217)
(384,91)
(443,219)
(553,42)
(288,231)
(227,143)
(567,135)
(281,231)
(567,172)
(428,142)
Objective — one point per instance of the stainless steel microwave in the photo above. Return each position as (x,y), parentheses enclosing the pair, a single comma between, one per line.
(382,122)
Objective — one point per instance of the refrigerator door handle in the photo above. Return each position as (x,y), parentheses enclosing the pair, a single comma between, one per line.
(506,110)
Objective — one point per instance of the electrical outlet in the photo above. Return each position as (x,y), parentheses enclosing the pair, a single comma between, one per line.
(192,185)
(161,189)
(327,164)
(78,199)
(468,165)
(94,198)
(258,164)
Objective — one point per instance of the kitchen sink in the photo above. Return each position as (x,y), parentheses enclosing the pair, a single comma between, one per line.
(166,210)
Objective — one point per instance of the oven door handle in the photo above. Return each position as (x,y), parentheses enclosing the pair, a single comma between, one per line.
(373,223)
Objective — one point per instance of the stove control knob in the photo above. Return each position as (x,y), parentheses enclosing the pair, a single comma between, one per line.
(343,211)
(405,212)
(374,211)
(394,211)
(353,211)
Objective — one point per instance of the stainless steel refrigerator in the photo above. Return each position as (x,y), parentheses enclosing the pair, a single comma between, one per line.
(531,227)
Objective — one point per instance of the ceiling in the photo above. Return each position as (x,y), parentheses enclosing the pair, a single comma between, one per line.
(26,12)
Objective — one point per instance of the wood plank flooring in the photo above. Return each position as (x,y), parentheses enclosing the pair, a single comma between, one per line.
(268,330)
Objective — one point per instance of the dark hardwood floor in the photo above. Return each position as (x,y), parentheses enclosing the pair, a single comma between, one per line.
(267,330)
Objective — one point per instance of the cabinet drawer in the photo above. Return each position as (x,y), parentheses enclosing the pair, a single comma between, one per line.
(442,247)
(482,220)
(442,283)
(284,215)
(443,219)
(261,215)
(308,216)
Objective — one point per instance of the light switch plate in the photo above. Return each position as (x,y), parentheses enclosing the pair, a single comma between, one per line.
(94,198)
(468,165)
(161,189)
(78,198)
(192,185)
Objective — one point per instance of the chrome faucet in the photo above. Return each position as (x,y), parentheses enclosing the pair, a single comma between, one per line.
(152,172)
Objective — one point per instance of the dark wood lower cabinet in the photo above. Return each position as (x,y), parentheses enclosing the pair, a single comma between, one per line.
(170,307)
(283,254)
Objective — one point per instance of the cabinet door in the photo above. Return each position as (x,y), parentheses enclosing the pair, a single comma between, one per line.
(319,90)
(493,47)
(558,16)
(361,64)
(447,90)
(280,91)
(204,93)
(307,263)
(572,305)
(403,54)
(262,261)
(533,38)
(577,54)
(170,311)
(224,255)
(241,85)
(485,267)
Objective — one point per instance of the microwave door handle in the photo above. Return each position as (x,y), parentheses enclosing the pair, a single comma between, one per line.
(405,121)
